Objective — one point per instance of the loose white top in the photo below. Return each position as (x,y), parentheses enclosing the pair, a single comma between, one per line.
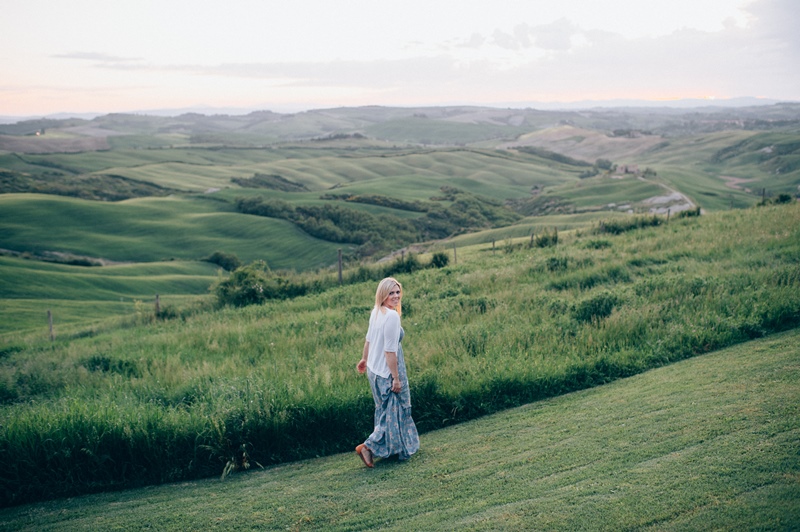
(383,335)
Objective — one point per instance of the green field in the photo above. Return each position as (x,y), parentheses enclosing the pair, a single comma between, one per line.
(153,229)
(160,190)
(704,444)
(79,295)
(92,228)
(162,400)
(191,226)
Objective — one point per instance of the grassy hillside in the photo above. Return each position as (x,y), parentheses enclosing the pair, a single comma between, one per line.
(705,444)
(158,189)
(178,399)
(716,170)
(190,226)
(83,295)
(153,229)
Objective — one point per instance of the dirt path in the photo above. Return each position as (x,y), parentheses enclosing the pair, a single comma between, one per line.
(736,182)
(674,201)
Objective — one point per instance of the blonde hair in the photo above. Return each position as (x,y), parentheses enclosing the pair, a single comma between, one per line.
(384,287)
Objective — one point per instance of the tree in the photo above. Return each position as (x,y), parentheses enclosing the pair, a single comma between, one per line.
(227,261)
(603,164)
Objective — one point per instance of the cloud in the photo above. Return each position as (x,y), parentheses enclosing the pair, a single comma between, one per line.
(94,56)
(560,60)
(559,35)
(475,41)
(555,36)
(772,25)
(343,73)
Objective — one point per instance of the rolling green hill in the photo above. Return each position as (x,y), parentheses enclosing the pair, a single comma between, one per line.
(136,188)
(78,296)
(153,229)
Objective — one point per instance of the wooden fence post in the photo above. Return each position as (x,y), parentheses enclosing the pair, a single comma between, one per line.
(455,257)
(492,247)
(158,306)
(340,266)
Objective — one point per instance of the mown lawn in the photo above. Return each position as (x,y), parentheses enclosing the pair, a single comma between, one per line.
(709,443)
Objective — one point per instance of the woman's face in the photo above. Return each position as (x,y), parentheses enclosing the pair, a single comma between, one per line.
(393,299)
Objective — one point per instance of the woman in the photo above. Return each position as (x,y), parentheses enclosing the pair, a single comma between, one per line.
(382,360)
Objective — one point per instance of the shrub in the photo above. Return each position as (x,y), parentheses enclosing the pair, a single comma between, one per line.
(227,261)
(105,364)
(254,284)
(546,239)
(405,264)
(245,286)
(440,259)
(616,227)
(595,308)
(598,244)
(556,264)
(689,213)
(780,199)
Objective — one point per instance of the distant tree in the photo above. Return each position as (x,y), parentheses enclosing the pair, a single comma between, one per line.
(603,164)
(649,172)
(227,261)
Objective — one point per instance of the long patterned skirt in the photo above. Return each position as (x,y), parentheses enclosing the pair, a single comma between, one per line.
(395,431)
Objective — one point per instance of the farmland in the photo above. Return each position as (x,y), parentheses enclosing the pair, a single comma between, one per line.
(165,190)
(583,248)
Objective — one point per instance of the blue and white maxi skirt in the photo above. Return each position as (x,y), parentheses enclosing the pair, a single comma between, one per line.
(395,431)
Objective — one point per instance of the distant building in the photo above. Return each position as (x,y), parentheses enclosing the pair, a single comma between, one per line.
(628,169)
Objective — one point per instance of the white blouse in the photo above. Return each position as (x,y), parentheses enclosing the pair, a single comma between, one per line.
(383,336)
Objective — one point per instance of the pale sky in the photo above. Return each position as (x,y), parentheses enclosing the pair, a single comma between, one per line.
(134,55)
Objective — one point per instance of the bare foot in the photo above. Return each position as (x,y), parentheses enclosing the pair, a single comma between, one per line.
(365,454)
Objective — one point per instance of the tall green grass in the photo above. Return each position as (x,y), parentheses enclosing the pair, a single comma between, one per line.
(189,397)
(705,444)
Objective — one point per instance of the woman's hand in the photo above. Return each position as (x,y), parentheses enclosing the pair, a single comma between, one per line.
(396,385)
(361,366)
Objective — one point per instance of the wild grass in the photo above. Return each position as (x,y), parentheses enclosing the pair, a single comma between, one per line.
(177,399)
(704,444)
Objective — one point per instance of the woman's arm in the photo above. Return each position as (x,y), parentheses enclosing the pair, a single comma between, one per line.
(362,364)
(391,361)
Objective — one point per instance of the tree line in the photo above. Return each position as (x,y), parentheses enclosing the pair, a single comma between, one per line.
(454,212)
